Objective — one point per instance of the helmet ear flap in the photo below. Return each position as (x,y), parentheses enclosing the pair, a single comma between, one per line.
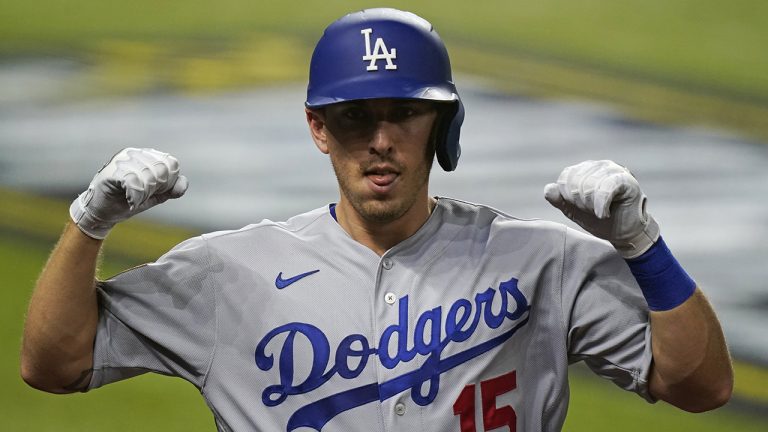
(448,149)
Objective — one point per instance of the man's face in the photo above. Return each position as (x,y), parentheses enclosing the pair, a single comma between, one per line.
(381,152)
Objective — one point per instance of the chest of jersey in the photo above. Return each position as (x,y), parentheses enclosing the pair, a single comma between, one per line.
(422,338)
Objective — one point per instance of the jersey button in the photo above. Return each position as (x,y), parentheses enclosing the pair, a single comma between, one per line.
(399,408)
(387,263)
(390,298)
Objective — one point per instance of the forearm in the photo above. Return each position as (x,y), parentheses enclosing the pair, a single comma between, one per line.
(57,349)
(691,368)
(691,365)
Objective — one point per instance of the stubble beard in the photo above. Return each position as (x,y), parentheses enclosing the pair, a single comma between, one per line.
(387,210)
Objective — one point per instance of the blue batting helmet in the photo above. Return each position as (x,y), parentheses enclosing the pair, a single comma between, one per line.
(387,53)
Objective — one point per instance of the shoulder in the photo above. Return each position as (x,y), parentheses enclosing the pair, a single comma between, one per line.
(197,250)
(480,215)
(196,256)
(503,225)
(294,226)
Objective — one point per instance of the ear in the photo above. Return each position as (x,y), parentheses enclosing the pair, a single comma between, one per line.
(316,123)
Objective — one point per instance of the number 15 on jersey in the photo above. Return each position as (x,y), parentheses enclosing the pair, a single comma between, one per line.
(493,416)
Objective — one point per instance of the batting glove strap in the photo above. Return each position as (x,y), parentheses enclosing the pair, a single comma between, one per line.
(89,224)
(663,281)
(636,245)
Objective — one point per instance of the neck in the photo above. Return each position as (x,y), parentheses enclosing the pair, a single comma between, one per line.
(382,236)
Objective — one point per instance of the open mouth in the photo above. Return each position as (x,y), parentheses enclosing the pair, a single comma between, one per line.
(381,178)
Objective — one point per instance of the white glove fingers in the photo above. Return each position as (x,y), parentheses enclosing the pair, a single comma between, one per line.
(167,171)
(567,192)
(137,179)
(555,198)
(180,187)
(552,194)
(148,172)
(133,189)
(589,176)
(576,184)
(620,188)
(606,191)
(158,199)
(164,169)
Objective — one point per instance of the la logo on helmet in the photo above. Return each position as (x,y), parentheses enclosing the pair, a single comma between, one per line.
(379,52)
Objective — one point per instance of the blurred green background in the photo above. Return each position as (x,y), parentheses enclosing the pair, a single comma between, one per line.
(671,61)
(677,61)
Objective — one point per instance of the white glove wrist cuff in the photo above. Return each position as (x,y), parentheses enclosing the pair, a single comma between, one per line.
(88,224)
(640,243)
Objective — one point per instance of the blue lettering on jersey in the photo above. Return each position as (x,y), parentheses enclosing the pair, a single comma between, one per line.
(460,324)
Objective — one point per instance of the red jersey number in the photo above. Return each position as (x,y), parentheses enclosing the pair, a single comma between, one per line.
(493,417)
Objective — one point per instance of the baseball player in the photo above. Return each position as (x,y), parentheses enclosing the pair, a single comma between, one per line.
(391,309)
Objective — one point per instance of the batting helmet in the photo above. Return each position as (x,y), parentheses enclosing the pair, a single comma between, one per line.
(387,53)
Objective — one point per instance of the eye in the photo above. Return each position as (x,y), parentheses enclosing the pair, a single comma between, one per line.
(410,110)
(404,112)
(354,114)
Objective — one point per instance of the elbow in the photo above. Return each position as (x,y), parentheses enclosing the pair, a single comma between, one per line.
(50,380)
(62,367)
(35,379)
(38,380)
(712,397)
(43,383)
(718,396)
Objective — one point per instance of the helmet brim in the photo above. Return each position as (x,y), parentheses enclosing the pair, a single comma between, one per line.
(361,89)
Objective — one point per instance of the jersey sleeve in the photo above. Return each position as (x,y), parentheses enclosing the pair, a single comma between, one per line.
(159,317)
(606,317)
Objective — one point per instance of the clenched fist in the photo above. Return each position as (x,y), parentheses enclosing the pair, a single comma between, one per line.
(605,199)
(131,182)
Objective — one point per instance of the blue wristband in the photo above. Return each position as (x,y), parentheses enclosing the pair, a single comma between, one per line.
(664,283)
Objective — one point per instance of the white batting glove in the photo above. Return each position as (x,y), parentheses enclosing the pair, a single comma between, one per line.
(605,199)
(131,182)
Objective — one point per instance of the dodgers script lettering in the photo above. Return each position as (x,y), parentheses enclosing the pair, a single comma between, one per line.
(459,324)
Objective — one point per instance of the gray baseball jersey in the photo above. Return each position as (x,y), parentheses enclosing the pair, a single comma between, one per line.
(468,325)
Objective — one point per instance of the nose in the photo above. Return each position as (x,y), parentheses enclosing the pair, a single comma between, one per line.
(383,138)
